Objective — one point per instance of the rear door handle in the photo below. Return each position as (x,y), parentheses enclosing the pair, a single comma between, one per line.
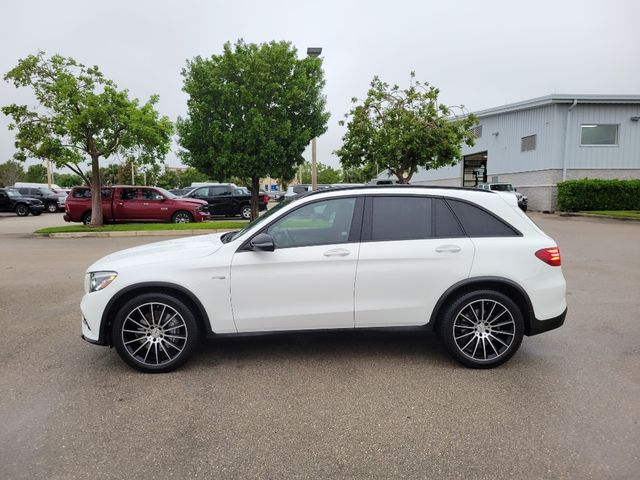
(337,252)
(448,249)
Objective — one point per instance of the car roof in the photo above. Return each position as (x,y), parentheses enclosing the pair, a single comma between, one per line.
(397,188)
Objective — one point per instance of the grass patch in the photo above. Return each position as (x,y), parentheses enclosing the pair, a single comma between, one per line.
(134,227)
(617,213)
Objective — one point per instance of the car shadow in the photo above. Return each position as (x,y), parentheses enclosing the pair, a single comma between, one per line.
(323,345)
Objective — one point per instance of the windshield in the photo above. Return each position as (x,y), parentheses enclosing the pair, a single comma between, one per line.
(502,187)
(166,193)
(12,193)
(261,219)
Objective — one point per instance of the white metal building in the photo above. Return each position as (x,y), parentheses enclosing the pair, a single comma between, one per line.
(537,143)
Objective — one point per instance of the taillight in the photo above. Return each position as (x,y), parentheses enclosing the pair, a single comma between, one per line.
(550,256)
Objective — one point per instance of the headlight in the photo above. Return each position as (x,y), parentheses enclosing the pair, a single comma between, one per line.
(100,280)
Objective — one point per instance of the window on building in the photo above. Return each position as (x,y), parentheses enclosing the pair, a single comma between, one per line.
(528,143)
(477,131)
(599,134)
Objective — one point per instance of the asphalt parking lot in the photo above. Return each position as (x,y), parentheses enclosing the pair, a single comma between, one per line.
(329,405)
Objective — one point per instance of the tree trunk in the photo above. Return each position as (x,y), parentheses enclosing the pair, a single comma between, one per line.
(255,192)
(96,193)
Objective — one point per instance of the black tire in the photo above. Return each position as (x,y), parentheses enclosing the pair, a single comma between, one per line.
(245,212)
(86,218)
(482,329)
(181,216)
(146,346)
(22,210)
(524,209)
(52,207)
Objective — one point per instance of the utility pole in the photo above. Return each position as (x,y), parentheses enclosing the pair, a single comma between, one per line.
(314,52)
(133,174)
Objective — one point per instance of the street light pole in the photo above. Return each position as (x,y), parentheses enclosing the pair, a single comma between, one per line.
(314,52)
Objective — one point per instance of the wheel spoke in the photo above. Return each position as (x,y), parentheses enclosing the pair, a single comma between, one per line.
(484,348)
(497,339)
(143,317)
(502,333)
(502,324)
(147,354)
(140,347)
(457,338)
(476,347)
(171,344)
(171,318)
(468,343)
(465,326)
(153,322)
(491,312)
(132,320)
(179,337)
(491,343)
(164,307)
(155,345)
(473,310)
(468,319)
(165,351)
(482,310)
(501,313)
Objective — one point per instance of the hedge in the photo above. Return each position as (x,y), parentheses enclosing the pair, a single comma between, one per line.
(581,195)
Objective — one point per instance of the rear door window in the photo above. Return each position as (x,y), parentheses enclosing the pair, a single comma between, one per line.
(478,222)
(129,194)
(445,222)
(399,218)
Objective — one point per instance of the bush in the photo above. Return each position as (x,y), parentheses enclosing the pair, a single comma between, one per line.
(580,195)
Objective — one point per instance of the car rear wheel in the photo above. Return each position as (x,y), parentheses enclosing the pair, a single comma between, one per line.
(155,333)
(86,218)
(182,217)
(52,207)
(482,329)
(245,212)
(22,210)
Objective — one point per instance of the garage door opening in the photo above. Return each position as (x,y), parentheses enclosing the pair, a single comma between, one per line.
(474,169)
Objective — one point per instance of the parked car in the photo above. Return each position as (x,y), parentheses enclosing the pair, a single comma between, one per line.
(12,201)
(178,192)
(228,199)
(51,201)
(300,188)
(60,192)
(466,263)
(135,204)
(523,200)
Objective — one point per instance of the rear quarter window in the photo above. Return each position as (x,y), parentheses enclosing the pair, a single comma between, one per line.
(478,222)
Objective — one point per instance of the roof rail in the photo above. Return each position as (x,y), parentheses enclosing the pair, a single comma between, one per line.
(397,185)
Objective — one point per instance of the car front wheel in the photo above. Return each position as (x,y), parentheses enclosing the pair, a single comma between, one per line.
(22,210)
(482,329)
(52,207)
(182,217)
(155,333)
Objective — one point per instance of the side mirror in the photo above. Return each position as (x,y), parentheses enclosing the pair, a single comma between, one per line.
(162,199)
(263,242)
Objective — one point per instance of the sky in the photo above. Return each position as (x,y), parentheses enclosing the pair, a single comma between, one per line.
(479,54)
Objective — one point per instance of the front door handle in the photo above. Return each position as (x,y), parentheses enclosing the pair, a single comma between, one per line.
(448,249)
(337,252)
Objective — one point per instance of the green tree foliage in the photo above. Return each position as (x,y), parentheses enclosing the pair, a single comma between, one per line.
(363,174)
(67,180)
(36,174)
(401,130)
(252,110)
(82,114)
(180,179)
(10,173)
(326,173)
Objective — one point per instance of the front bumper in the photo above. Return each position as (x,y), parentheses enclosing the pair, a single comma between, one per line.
(540,326)
(201,216)
(36,208)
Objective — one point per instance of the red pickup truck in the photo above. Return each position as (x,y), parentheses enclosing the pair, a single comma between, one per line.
(135,204)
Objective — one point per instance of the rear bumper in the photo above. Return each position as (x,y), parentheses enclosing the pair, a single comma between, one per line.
(540,326)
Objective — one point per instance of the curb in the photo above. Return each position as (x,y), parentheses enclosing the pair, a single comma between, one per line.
(595,215)
(133,233)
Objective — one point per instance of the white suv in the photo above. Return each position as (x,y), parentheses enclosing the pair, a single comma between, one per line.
(467,263)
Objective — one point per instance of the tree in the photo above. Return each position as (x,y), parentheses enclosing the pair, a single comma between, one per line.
(82,114)
(401,130)
(36,174)
(362,174)
(252,110)
(326,173)
(67,180)
(10,173)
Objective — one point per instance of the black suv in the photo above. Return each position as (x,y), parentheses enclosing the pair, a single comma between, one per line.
(228,199)
(12,201)
(46,196)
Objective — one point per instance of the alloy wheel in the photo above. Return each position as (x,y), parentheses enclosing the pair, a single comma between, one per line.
(483,330)
(154,334)
(181,217)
